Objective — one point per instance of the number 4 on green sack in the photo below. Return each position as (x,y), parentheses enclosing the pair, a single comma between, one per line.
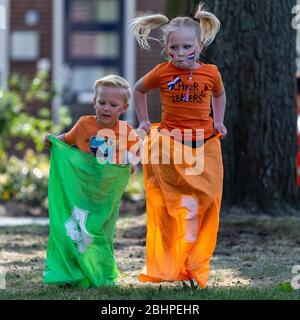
(76,229)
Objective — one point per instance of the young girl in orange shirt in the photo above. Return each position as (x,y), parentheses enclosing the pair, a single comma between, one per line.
(182,210)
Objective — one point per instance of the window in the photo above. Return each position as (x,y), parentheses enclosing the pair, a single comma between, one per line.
(24,45)
(95,45)
(94,42)
(95,11)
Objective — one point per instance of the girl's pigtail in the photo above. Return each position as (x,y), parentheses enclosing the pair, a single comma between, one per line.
(209,24)
(142,26)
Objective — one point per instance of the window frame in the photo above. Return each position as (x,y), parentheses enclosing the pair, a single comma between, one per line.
(71,27)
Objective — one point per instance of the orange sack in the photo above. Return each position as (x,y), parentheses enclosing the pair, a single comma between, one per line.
(182,209)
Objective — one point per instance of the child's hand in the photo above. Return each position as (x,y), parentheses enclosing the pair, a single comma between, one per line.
(143,129)
(221,129)
(47,142)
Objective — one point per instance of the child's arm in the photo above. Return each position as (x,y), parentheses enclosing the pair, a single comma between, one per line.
(219,105)
(140,100)
(47,142)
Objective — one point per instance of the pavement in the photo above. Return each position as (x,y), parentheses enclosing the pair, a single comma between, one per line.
(21,221)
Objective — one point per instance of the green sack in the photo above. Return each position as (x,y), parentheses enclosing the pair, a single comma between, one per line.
(84,199)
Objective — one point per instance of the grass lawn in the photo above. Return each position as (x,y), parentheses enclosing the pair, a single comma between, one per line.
(253,259)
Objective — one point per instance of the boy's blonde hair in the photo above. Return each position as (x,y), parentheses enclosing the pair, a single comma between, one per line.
(114,81)
(205,24)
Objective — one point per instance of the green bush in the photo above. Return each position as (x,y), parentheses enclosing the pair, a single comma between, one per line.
(23,167)
(18,125)
(26,179)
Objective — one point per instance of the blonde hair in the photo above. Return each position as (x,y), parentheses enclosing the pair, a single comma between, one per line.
(114,81)
(205,24)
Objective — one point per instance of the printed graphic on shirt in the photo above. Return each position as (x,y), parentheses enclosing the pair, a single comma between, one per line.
(196,92)
(103,147)
(171,84)
(107,150)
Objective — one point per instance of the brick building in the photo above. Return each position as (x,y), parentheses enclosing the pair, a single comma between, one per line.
(78,41)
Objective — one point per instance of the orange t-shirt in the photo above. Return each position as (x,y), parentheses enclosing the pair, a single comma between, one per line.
(194,113)
(107,143)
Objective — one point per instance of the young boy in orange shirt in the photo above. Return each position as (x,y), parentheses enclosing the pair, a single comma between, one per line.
(104,135)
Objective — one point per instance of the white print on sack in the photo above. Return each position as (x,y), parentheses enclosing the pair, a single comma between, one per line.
(192,205)
(76,229)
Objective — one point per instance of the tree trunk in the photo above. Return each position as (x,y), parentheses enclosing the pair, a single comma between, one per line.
(255,51)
